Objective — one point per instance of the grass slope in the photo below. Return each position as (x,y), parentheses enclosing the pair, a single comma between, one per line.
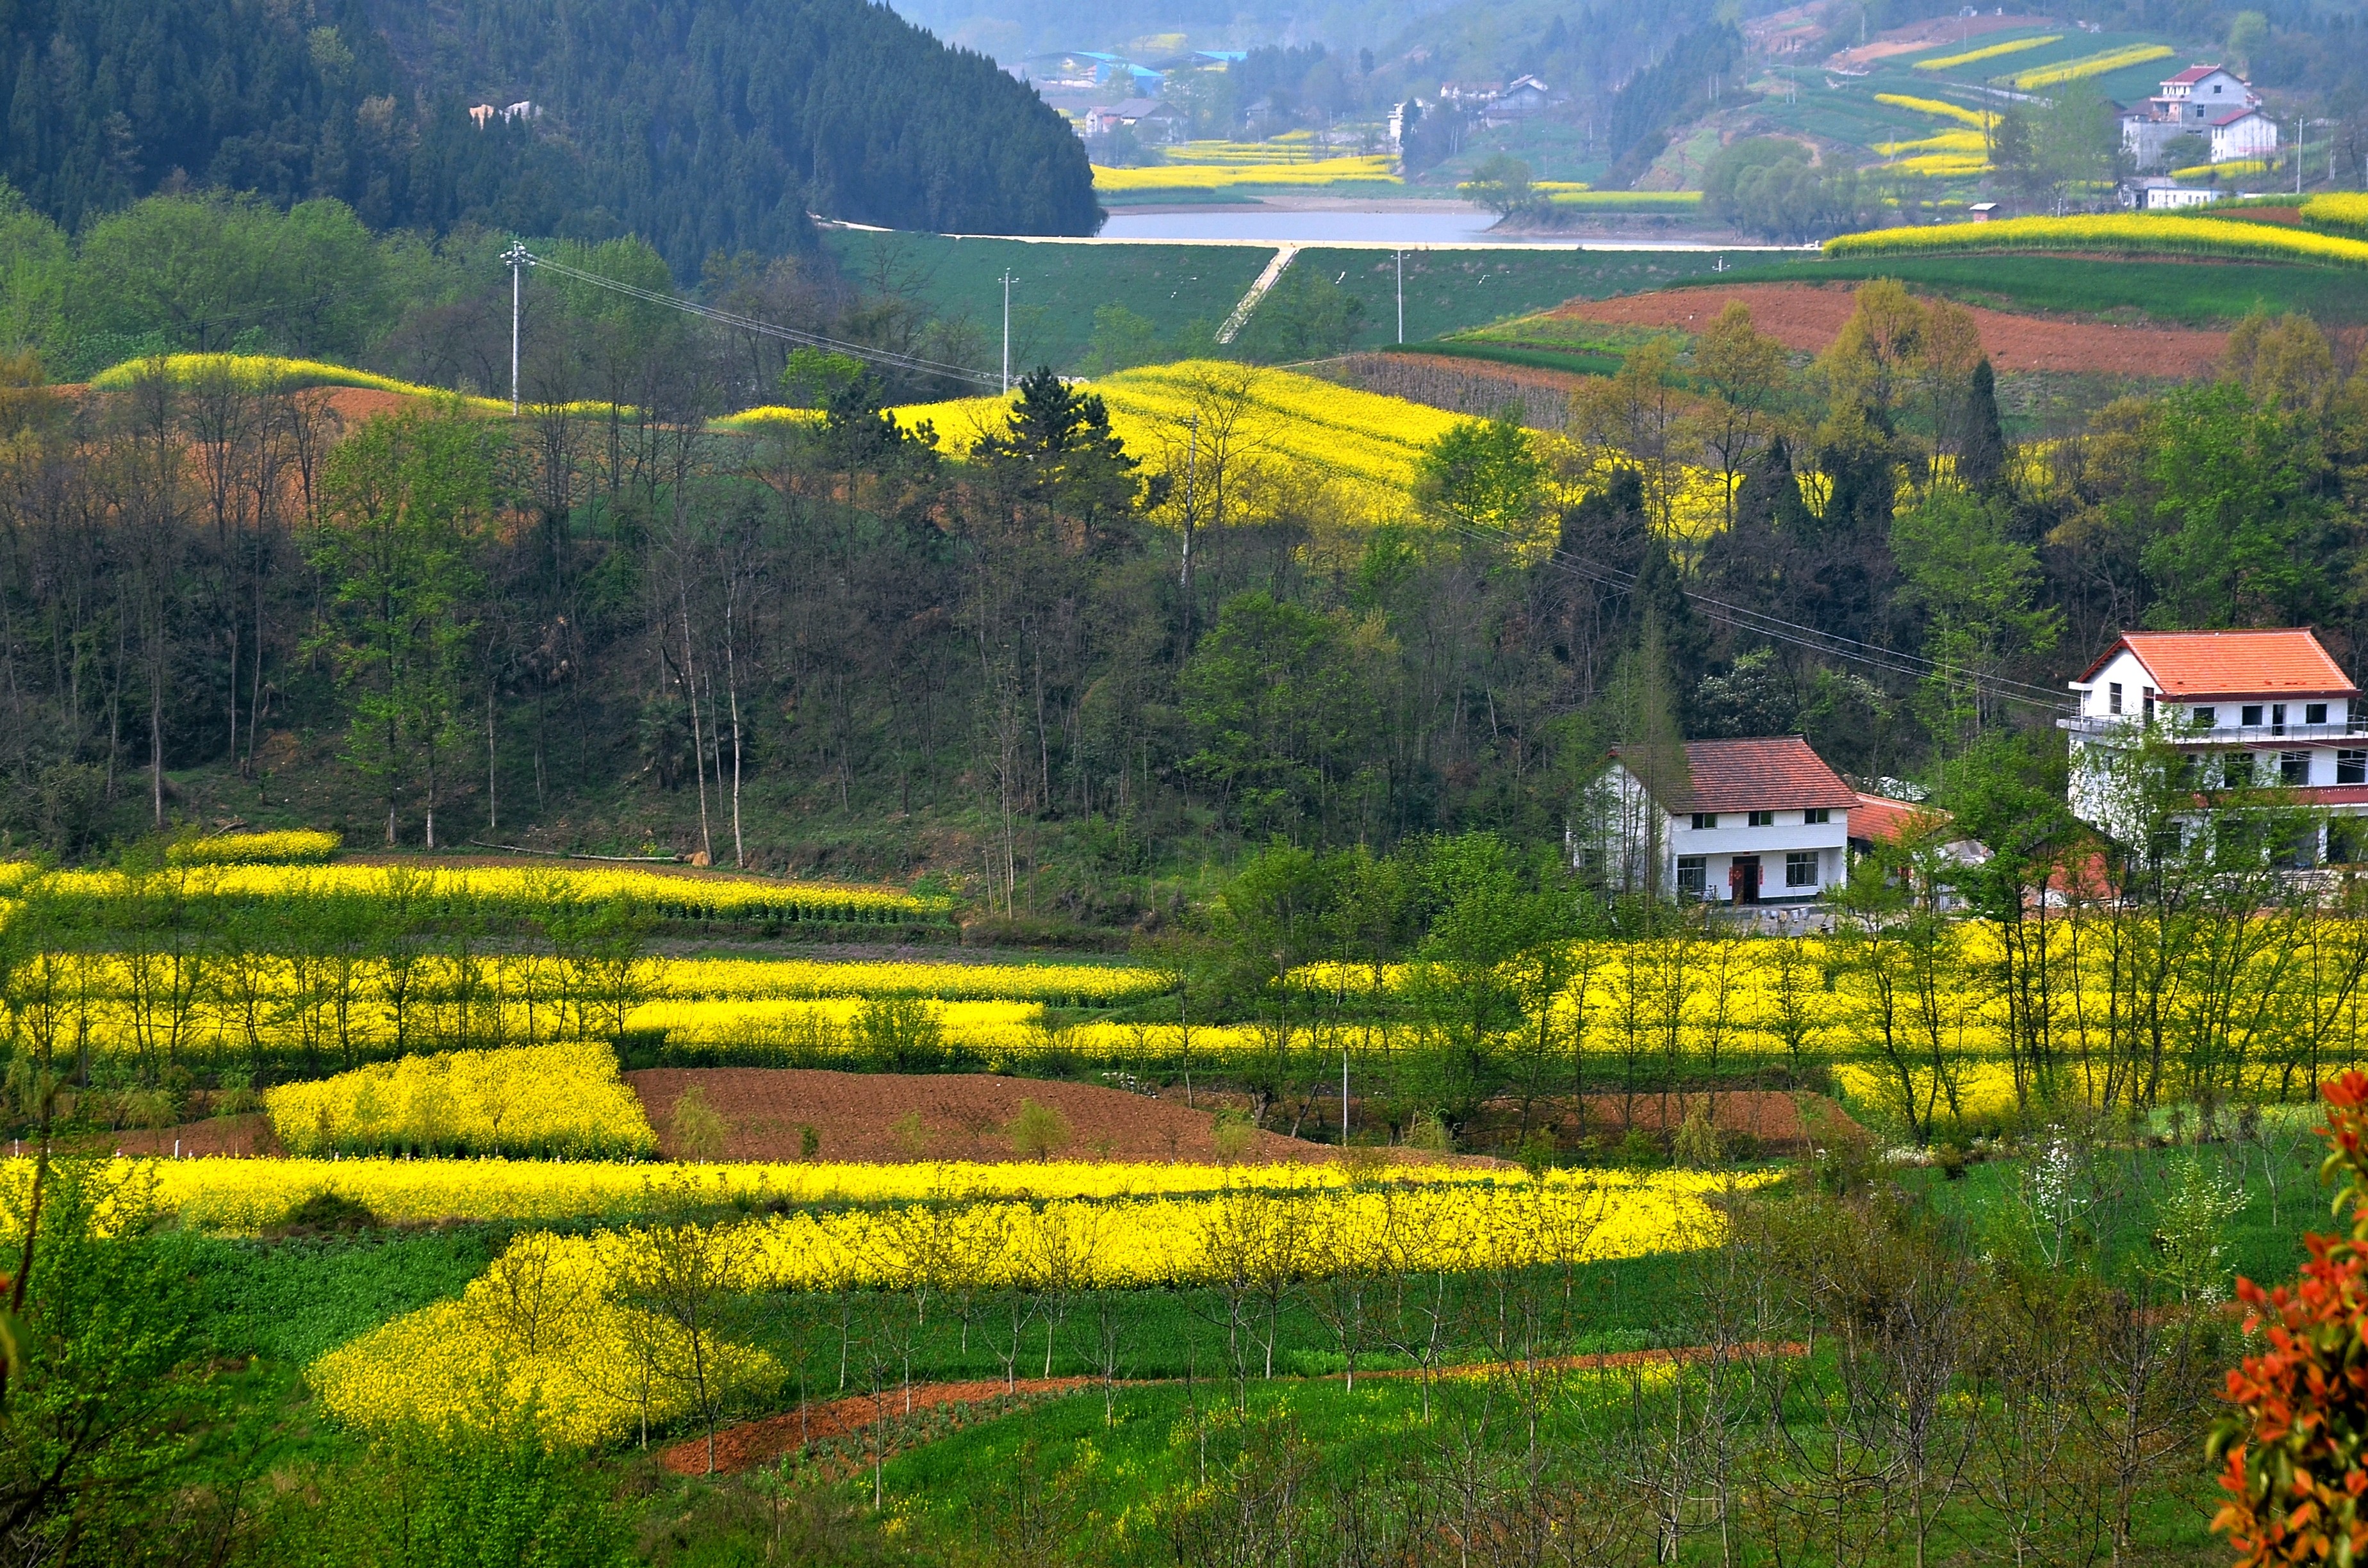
(1056,287)
(2176,292)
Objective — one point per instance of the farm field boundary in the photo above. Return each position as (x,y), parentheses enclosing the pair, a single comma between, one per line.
(2191,292)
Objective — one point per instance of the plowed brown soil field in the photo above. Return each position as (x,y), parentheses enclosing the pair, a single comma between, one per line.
(961,1116)
(1807,317)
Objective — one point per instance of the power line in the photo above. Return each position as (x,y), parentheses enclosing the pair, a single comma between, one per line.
(1827,644)
(909,362)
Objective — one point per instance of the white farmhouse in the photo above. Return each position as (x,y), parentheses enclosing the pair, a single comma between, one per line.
(2207,101)
(1754,822)
(2255,709)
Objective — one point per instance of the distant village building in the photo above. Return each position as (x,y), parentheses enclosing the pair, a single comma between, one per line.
(2154,193)
(1150,120)
(2253,709)
(2207,101)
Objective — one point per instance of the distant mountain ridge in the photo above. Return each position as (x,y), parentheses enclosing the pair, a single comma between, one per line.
(705,126)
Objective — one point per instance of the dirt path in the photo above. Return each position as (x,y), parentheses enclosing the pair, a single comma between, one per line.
(752,1443)
(961,1115)
(1807,317)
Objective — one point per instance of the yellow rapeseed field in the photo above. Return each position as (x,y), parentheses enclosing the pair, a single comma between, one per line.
(1364,441)
(554,1101)
(1197,175)
(1991,51)
(1077,984)
(239,1197)
(2122,232)
(554,1322)
(297,846)
(540,1333)
(2342,209)
(527,890)
(2088,65)
(1946,111)
(278,373)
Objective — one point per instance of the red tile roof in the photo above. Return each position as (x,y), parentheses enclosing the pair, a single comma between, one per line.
(2286,663)
(1780,773)
(1879,819)
(2233,119)
(2192,74)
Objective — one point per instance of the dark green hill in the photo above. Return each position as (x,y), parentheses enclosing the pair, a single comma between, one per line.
(704,126)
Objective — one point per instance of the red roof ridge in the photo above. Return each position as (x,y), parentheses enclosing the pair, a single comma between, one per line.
(2288,661)
(1758,773)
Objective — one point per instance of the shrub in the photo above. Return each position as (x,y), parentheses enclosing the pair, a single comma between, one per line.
(698,1128)
(1232,1134)
(1038,1131)
(2295,1448)
(1696,1145)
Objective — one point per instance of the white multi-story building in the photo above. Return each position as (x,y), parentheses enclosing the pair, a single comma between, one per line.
(2255,709)
(1754,822)
(2209,101)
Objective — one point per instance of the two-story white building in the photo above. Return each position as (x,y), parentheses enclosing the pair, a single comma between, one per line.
(1754,822)
(2206,101)
(2255,709)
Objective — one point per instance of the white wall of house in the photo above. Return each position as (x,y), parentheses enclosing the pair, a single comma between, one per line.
(2261,739)
(1697,860)
(2254,136)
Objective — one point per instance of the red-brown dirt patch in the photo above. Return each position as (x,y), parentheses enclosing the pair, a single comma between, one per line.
(214,1138)
(753,1443)
(1807,317)
(961,1115)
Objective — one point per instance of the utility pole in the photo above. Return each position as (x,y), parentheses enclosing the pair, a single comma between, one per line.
(1191,501)
(518,258)
(1401,299)
(1006,330)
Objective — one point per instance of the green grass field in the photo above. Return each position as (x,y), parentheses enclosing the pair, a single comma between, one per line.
(2175,292)
(1056,287)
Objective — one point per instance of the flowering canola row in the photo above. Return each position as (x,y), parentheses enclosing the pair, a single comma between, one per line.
(554,1101)
(247,1196)
(557,1323)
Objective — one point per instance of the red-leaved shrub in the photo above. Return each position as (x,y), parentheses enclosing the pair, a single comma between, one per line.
(2294,1445)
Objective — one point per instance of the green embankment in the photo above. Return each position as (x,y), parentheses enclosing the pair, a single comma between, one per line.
(2174,292)
(1056,287)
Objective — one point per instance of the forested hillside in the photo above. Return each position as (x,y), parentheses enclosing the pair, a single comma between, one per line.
(830,644)
(704,126)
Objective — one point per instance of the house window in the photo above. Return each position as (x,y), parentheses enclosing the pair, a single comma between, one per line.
(1762,819)
(2236,771)
(1816,814)
(2351,767)
(1693,876)
(1800,867)
(2207,717)
(2314,714)
(2277,718)
(1705,821)
(2253,716)
(2113,697)
(2146,695)
(2293,767)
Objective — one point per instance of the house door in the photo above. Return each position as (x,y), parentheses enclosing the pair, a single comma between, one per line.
(1743,879)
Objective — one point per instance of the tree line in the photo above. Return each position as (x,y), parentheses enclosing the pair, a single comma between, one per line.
(708,129)
(1082,655)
